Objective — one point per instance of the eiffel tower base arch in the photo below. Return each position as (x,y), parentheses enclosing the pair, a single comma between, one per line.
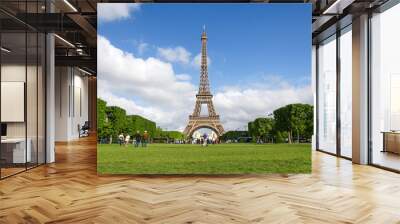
(203,122)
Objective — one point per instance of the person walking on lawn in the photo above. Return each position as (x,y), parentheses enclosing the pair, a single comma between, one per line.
(205,139)
(127,138)
(137,139)
(145,139)
(121,139)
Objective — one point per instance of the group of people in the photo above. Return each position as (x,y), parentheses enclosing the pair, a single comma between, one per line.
(137,139)
(204,140)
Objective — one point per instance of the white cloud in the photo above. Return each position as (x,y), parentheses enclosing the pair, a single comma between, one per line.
(237,106)
(177,54)
(151,88)
(183,77)
(196,62)
(124,78)
(108,12)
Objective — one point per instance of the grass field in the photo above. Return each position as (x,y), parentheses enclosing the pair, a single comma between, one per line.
(214,159)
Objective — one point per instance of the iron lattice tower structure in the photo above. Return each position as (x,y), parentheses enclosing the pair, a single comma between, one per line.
(204,96)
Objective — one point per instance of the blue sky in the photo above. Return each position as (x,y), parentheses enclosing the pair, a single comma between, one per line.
(252,47)
(246,41)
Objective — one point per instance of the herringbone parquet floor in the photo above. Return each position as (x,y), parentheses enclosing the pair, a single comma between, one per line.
(70,191)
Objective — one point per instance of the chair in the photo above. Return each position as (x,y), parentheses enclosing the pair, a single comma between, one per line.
(84,130)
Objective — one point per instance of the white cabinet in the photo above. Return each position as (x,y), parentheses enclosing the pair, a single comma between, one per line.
(19,154)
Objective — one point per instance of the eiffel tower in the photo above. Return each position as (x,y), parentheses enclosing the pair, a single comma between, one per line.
(204,96)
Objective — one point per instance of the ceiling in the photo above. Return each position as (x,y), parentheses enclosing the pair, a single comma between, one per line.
(75,22)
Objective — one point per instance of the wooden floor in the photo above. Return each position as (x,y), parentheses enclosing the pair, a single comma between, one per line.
(69,191)
(5,172)
(387,159)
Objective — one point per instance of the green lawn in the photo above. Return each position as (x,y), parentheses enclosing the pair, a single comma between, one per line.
(214,159)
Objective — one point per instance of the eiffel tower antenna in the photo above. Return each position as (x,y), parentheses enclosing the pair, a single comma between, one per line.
(204,96)
(204,87)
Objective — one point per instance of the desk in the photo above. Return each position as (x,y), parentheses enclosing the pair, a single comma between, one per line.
(391,142)
(13,150)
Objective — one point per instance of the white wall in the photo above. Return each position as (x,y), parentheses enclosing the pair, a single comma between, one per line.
(17,73)
(62,82)
(9,73)
(33,126)
(71,94)
(80,104)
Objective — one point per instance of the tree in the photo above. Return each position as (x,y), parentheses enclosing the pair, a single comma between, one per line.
(309,122)
(280,137)
(158,132)
(112,121)
(282,121)
(174,135)
(117,117)
(104,126)
(101,118)
(235,135)
(296,118)
(251,129)
(302,120)
(262,128)
(138,123)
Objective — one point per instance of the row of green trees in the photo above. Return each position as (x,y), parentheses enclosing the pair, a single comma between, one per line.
(113,120)
(171,134)
(168,136)
(240,136)
(289,123)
